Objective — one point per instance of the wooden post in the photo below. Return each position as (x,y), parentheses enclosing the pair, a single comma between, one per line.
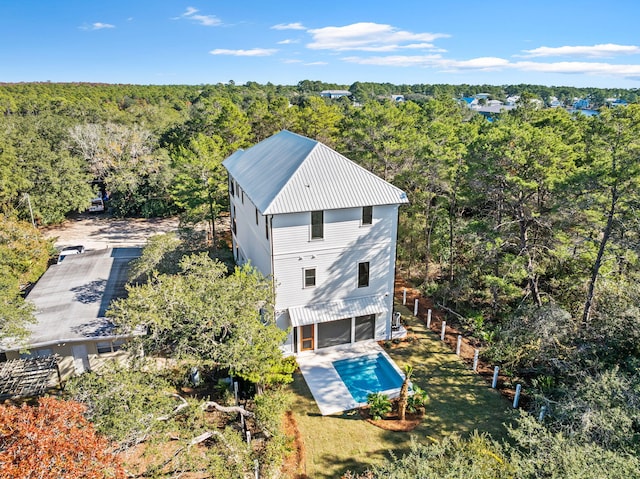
(459,345)
(475,359)
(256,468)
(517,396)
(428,319)
(415,307)
(235,392)
(444,330)
(404,296)
(494,383)
(242,423)
(248,437)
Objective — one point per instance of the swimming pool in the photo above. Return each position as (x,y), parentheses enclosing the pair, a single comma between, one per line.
(367,374)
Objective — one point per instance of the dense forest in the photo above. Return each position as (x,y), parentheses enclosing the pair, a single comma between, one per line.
(525,229)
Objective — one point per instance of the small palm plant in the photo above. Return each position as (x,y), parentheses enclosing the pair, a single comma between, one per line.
(379,405)
(417,400)
(404,392)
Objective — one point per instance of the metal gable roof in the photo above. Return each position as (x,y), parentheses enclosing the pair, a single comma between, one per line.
(289,173)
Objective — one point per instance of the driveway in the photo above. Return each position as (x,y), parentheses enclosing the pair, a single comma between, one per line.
(101,231)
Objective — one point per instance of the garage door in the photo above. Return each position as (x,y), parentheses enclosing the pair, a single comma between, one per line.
(333,333)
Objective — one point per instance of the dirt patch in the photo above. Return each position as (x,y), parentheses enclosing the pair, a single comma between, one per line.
(294,464)
(98,231)
(391,422)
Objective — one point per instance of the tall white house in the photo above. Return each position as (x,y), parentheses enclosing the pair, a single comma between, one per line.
(324,229)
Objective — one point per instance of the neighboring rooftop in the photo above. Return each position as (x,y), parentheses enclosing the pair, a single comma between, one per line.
(71,298)
(305,175)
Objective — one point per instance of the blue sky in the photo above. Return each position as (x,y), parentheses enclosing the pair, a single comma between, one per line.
(574,43)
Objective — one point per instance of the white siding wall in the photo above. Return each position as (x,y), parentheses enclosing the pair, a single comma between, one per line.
(251,238)
(346,243)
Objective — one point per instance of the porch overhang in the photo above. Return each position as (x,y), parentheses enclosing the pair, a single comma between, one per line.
(335,310)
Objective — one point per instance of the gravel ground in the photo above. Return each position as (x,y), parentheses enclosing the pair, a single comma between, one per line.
(101,231)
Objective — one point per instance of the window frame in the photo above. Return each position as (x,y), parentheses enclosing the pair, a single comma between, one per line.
(305,285)
(364,274)
(317,225)
(368,216)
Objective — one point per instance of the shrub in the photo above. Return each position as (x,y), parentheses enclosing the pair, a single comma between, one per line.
(419,399)
(379,405)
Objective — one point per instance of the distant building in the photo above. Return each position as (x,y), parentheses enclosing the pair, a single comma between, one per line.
(397,98)
(324,229)
(581,103)
(333,94)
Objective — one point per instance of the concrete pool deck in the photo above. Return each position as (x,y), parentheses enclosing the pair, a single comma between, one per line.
(328,389)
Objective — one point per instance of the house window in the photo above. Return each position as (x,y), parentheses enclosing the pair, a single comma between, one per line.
(231,189)
(236,188)
(363,274)
(256,215)
(309,277)
(103,347)
(242,192)
(266,226)
(233,222)
(317,225)
(367,215)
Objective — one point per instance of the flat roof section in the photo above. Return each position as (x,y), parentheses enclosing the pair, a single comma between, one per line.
(71,298)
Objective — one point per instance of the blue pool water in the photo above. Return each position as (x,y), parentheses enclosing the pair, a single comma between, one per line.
(367,374)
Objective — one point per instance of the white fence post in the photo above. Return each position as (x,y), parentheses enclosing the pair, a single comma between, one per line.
(235,391)
(516,398)
(494,383)
(475,360)
(404,296)
(256,468)
(444,330)
(459,345)
(248,437)
(428,319)
(543,411)
(415,307)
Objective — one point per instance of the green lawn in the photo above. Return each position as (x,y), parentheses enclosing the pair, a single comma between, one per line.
(460,401)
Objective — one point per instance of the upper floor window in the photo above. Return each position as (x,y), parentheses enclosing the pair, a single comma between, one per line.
(363,274)
(231,188)
(266,226)
(236,188)
(256,215)
(317,225)
(367,215)
(309,277)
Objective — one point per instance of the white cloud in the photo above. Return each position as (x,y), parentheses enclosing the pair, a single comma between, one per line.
(589,51)
(289,26)
(291,60)
(254,52)
(315,64)
(373,37)
(436,61)
(97,26)
(583,68)
(288,41)
(192,14)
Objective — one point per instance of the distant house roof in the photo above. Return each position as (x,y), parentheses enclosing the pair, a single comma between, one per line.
(335,93)
(71,298)
(289,173)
